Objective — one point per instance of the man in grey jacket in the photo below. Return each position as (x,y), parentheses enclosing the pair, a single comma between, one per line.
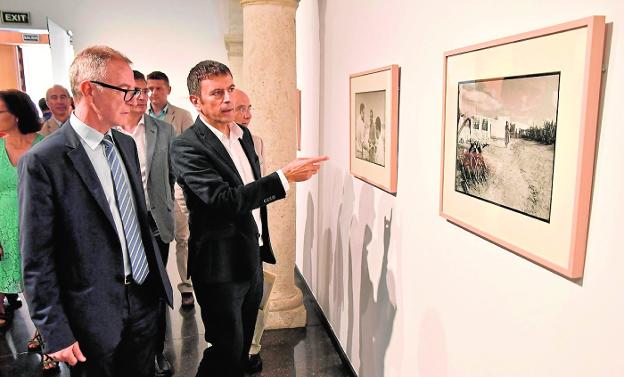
(153,139)
(180,119)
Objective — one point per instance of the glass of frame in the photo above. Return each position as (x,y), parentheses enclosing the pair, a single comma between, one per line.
(374,118)
(518,140)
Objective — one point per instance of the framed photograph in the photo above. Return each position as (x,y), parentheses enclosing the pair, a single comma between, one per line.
(519,137)
(374,118)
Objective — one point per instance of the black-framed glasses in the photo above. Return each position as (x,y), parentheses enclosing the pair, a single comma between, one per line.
(129,94)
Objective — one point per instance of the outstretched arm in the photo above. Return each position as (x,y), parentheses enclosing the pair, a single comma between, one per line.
(197,173)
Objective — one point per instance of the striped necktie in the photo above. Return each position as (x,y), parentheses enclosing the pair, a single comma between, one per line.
(138,260)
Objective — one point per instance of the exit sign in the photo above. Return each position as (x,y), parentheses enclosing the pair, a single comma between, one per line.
(16,17)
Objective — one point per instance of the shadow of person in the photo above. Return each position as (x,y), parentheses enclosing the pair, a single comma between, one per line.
(345,214)
(376,313)
(308,240)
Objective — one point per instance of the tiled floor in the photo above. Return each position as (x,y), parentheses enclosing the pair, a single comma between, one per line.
(293,352)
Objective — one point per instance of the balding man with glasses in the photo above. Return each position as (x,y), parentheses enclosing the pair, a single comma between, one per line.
(93,274)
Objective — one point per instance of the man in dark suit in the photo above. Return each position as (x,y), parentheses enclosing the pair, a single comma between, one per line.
(218,170)
(153,139)
(92,272)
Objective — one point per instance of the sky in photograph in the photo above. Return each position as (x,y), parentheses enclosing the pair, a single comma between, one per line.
(526,100)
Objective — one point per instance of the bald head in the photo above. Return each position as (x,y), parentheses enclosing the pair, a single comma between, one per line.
(58,100)
(242,107)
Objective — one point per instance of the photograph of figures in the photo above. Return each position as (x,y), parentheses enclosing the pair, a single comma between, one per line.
(370,126)
(373,126)
(506,141)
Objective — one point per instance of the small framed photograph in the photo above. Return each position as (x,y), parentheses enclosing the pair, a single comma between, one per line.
(518,140)
(374,118)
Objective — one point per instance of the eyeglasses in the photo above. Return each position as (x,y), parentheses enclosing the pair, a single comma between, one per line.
(146,92)
(129,94)
(244,109)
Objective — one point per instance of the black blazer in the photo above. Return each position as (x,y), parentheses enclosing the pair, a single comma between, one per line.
(72,260)
(223,245)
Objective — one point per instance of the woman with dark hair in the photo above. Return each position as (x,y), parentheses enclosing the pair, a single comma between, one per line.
(19,121)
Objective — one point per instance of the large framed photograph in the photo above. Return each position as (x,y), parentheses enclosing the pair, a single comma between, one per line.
(374,117)
(518,140)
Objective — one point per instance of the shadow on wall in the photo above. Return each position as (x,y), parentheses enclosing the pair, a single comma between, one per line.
(345,214)
(377,312)
(308,240)
(344,287)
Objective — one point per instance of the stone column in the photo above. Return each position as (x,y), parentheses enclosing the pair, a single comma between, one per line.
(269,73)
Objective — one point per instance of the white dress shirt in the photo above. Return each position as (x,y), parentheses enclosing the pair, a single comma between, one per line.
(243,166)
(91,141)
(138,134)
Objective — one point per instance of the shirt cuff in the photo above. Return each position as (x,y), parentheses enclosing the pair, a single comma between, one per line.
(282,177)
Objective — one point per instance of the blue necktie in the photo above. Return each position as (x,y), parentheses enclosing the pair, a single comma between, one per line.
(138,261)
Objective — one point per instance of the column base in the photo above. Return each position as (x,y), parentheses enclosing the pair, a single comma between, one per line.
(287,312)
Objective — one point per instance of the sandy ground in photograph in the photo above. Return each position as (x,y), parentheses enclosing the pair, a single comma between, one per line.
(520,176)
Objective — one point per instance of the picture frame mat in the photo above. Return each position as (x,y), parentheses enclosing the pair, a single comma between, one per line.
(550,244)
(385,78)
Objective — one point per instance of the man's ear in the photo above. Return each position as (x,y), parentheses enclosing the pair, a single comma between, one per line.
(169,91)
(86,89)
(196,102)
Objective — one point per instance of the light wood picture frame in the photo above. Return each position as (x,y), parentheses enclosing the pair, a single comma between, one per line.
(520,117)
(374,118)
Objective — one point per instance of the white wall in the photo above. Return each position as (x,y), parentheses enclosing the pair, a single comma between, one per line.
(308,81)
(156,35)
(451,303)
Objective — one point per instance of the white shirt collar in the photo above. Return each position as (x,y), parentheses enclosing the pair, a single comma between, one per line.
(235,131)
(90,135)
(58,122)
(134,130)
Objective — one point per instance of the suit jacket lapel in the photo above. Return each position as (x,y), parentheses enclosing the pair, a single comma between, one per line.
(212,142)
(170,116)
(83,166)
(151,132)
(250,152)
(131,166)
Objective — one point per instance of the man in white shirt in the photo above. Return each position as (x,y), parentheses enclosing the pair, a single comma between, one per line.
(58,101)
(242,110)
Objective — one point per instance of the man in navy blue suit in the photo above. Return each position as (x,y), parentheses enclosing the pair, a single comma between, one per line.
(92,272)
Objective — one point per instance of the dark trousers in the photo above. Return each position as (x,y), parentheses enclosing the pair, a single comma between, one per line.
(164,253)
(229,312)
(133,356)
